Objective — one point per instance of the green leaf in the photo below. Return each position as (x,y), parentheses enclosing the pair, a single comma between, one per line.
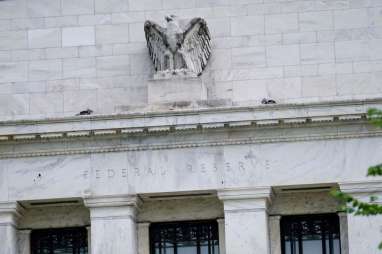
(375,170)
(373,198)
(375,116)
(350,204)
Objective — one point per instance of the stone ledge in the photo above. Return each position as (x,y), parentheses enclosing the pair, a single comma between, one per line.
(10,212)
(180,145)
(112,201)
(113,207)
(265,192)
(246,199)
(361,187)
(286,116)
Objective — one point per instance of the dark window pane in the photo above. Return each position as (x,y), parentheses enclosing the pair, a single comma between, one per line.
(184,238)
(59,241)
(314,234)
(312,246)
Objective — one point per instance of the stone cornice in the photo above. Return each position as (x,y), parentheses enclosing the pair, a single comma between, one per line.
(246,199)
(112,201)
(10,212)
(362,187)
(245,193)
(184,145)
(285,115)
(113,207)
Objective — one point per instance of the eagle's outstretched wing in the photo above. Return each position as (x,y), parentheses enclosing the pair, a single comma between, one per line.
(157,44)
(196,47)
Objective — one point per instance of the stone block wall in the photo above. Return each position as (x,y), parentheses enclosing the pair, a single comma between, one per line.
(58,57)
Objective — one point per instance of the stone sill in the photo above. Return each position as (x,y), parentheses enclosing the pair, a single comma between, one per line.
(282,115)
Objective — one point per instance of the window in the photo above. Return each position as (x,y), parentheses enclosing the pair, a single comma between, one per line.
(184,238)
(59,241)
(315,234)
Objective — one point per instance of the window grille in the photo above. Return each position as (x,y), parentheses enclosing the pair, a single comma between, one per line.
(313,234)
(184,238)
(59,241)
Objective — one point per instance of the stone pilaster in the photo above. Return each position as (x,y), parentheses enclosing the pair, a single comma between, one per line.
(221,224)
(144,238)
(275,240)
(246,220)
(364,232)
(24,241)
(10,212)
(344,233)
(89,230)
(113,224)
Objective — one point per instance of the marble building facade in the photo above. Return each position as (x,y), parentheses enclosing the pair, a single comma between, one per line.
(200,149)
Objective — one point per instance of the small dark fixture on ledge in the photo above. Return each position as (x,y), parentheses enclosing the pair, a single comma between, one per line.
(268,101)
(85,112)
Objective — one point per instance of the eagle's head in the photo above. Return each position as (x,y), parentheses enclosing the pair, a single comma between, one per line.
(170,18)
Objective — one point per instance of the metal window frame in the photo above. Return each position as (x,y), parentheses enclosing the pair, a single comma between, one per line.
(80,241)
(326,233)
(199,224)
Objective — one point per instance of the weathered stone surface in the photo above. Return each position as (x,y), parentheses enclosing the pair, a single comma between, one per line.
(13,40)
(167,150)
(107,34)
(79,67)
(73,7)
(45,70)
(251,40)
(80,36)
(44,38)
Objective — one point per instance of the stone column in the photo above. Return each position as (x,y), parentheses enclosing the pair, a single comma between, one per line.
(364,232)
(144,238)
(275,234)
(221,224)
(113,225)
(24,241)
(10,212)
(246,220)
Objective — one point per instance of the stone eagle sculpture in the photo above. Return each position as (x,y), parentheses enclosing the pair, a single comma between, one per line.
(178,48)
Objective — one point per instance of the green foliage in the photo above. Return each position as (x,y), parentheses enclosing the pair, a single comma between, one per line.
(353,205)
(375,116)
(375,170)
(356,207)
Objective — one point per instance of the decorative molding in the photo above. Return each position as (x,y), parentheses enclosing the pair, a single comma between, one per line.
(113,207)
(185,145)
(11,207)
(271,117)
(362,187)
(25,231)
(144,224)
(245,193)
(112,201)
(246,200)
(10,213)
(283,115)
